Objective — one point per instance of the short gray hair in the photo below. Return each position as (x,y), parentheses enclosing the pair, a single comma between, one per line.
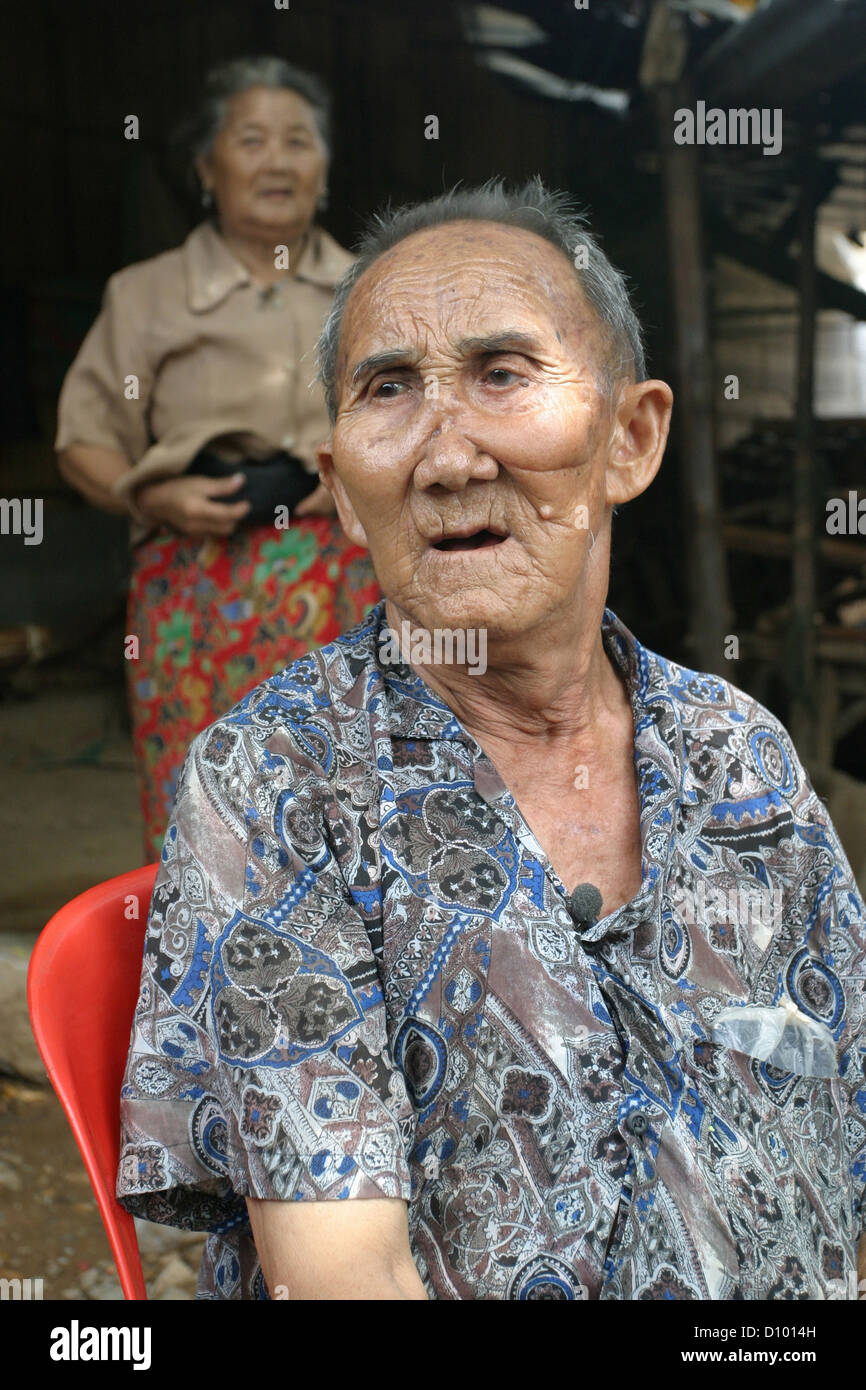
(229,79)
(533,208)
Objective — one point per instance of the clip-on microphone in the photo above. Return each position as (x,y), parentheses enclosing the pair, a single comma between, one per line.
(584,904)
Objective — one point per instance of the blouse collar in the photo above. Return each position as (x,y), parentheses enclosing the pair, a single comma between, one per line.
(213,272)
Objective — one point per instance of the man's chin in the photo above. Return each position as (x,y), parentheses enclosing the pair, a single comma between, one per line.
(477,612)
(468,591)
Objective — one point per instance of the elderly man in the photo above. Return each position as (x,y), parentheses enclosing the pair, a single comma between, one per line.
(465,943)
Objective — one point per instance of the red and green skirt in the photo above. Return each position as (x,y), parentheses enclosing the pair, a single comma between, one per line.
(215,617)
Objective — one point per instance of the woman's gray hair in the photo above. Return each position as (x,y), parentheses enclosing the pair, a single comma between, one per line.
(229,79)
(534,208)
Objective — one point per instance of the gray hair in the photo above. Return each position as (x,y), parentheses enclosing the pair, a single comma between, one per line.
(228,80)
(533,208)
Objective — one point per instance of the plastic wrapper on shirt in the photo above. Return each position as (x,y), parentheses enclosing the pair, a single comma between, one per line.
(783,1036)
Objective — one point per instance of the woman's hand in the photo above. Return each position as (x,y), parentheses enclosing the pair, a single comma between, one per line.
(187,504)
(317,503)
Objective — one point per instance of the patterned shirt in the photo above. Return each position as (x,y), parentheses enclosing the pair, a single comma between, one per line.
(361,979)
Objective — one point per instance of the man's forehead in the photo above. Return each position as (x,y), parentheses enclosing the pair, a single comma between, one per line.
(510,277)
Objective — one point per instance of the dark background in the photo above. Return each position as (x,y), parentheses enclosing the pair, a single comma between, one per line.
(81,201)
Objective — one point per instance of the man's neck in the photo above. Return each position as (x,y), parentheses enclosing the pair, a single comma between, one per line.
(544,690)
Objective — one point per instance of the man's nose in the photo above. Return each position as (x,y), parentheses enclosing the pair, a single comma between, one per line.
(452,458)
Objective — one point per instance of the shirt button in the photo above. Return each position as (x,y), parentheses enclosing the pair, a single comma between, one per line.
(637,1123)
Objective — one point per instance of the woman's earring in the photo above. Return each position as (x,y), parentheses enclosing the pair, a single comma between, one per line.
(206,198)
(322,200)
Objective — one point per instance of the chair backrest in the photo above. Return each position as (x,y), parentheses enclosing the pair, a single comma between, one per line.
(82,988)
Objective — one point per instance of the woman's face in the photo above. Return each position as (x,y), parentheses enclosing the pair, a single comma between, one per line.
(267,166)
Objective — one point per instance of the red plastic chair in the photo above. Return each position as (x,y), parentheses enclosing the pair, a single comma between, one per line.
(82,988)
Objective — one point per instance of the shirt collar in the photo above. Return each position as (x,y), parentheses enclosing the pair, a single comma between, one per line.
(213,273)
(416,712)
(323,261)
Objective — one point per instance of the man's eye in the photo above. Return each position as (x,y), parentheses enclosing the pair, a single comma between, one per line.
(388,389)
(501,376)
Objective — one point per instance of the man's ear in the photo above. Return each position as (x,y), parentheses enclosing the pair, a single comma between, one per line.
(345,511)
(639,432)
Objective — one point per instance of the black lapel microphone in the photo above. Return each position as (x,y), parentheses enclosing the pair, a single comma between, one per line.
(584,905)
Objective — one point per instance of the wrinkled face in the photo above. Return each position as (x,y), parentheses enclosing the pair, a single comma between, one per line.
(471,435)
(267,165)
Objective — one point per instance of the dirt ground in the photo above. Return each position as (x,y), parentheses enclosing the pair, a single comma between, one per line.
(50,1228)
(69,818)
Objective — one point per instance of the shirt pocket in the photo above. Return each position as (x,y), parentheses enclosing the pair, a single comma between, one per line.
(777,1159)
(790,1196)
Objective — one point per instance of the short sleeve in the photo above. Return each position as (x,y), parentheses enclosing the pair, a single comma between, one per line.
(833,925)
(259,1062)
(106,393)
(847,953)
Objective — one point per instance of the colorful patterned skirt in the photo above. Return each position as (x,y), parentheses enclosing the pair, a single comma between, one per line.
(215,617)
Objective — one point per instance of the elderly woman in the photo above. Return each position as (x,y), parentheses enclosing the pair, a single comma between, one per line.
(192,407)
(437,938)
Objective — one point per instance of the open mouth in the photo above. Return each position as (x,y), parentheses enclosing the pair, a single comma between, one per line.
(477,540)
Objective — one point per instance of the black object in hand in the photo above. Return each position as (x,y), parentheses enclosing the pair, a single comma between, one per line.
(280,480)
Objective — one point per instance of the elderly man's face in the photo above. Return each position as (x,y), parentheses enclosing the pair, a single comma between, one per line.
(473,432)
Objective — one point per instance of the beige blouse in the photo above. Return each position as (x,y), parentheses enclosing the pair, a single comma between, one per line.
(189,351)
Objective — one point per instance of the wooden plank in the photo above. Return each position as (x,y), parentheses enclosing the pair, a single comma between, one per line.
(801,663)
(761,540)
(709,606)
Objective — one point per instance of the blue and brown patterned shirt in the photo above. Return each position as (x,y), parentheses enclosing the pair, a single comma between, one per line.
(361,979)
